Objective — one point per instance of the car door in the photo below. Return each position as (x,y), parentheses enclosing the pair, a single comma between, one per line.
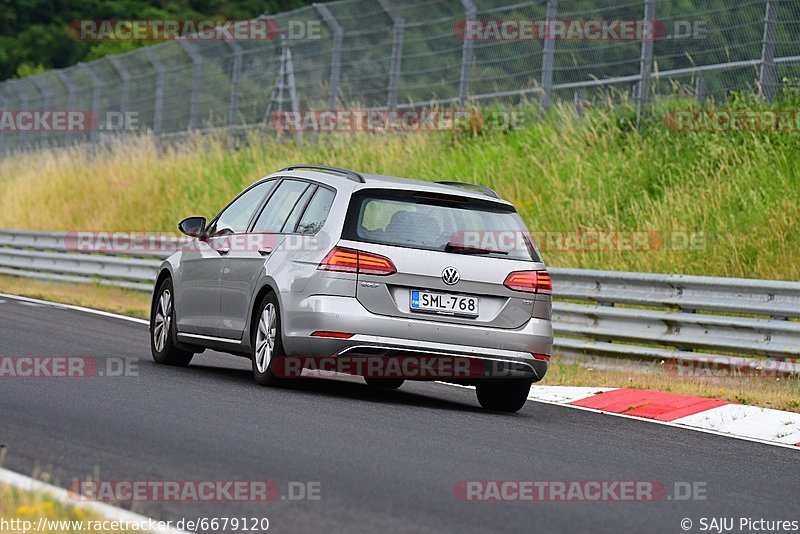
(244,264)
(198,293)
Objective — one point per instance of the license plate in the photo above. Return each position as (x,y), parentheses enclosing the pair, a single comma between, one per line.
(425,301)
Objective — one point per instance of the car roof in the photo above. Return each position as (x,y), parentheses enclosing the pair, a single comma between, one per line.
(367,181)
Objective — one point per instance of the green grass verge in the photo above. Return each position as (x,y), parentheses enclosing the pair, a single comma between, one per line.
(735,192)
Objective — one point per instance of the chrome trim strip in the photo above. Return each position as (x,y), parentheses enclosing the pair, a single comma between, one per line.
(209,338)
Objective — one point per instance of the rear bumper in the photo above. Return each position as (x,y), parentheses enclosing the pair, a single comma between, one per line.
(503,353)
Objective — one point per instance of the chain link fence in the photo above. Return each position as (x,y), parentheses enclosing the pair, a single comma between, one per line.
(395,54)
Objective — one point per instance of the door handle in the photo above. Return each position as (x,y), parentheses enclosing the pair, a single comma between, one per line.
(223,251)
(265,251)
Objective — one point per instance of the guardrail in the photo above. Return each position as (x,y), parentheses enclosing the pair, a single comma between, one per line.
(732,323)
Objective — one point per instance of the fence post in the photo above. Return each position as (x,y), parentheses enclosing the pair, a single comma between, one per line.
(579,102)
(467,51)
(42,87)
(23,104)
(292,89)
(3,104)
(336,52)
(125,76)
(96,85)
(646,67)
(548,54)
(768,72)
(197,61)
(70,91)
(236,75)
(159,103)
(700,89)
(397,52)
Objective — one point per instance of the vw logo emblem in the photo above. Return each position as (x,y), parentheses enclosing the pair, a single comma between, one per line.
(450,276)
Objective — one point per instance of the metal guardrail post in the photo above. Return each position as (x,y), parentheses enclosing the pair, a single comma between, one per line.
(336,52)
(97,84)
(197,62)
(397,52)
(646,67)
(236,75)
(467,53)
(548,54)
(769,76)
(158,107)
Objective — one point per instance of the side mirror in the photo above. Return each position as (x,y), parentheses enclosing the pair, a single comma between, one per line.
(193,227)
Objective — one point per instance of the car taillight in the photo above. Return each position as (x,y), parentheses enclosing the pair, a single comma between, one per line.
(349,260)
(530,282)
(332,335)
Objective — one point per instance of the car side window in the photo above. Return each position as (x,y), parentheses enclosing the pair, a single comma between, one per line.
(280,205)
(317,212)
(297,211)
(234,218)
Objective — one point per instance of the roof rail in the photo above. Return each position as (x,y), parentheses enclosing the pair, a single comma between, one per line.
(485,190)
(352,175)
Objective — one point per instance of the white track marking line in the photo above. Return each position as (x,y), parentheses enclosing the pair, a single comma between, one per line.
(752,421)
(31,301)
(61,495)
(653,421)
(564,394)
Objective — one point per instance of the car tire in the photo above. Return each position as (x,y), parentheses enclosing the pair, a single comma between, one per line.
(505,396)
(266,341)
(162,328)
(384,383)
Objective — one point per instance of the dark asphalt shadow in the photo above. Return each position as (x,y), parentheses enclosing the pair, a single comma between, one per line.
(329,387)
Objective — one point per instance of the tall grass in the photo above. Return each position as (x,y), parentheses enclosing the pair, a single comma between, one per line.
(739,191)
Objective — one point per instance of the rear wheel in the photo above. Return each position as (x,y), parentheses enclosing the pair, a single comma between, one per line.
(385,383)
(162,328)
(504,396)
(266,341)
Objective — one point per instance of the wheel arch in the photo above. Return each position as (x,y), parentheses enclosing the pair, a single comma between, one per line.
(269,286)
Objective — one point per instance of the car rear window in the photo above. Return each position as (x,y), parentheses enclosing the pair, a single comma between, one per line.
(434,221)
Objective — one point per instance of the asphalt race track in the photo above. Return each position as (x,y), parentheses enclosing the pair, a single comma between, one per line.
(386,461)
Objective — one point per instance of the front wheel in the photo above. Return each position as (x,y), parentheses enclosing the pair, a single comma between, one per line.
(162,328)
(266,341)
(504,396)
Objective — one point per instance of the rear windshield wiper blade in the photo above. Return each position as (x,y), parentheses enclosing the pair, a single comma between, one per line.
(463,249)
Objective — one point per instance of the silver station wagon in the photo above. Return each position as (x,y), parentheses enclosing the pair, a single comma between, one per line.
(315,270)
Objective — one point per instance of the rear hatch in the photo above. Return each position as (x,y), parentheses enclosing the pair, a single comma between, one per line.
(443,257)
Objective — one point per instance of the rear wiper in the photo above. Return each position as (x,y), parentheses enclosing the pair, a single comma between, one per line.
(463,249)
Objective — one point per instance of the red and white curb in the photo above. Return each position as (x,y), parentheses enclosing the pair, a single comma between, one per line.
(763,425)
